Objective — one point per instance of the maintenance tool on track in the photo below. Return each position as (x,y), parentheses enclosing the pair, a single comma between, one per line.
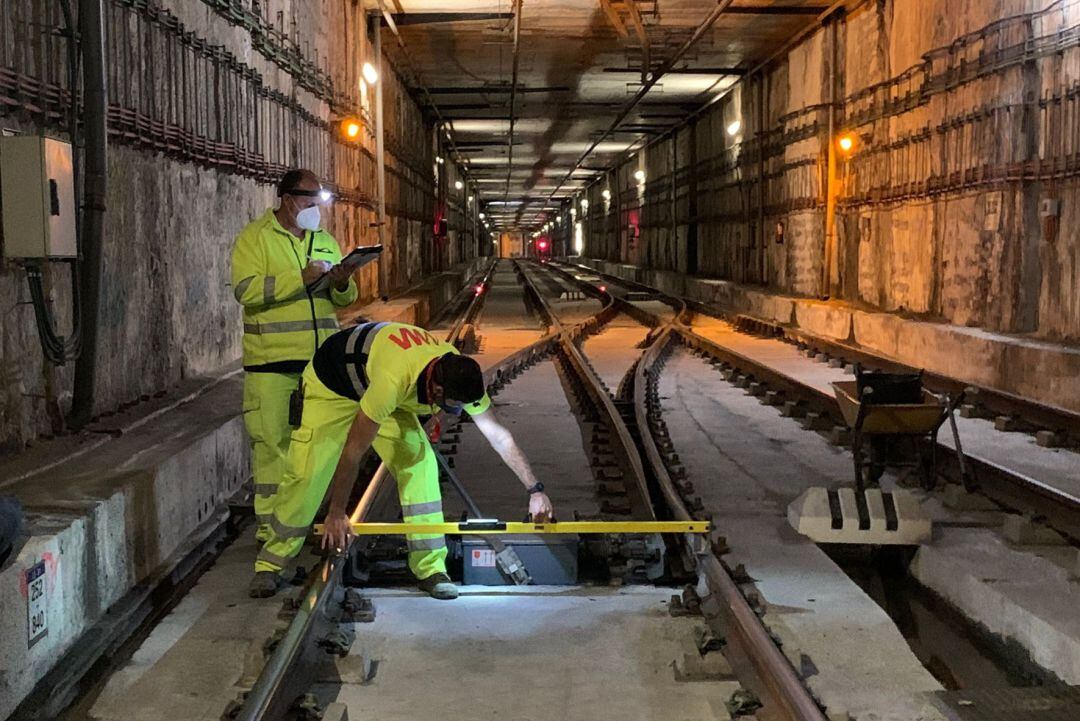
(485,526)
(505,558)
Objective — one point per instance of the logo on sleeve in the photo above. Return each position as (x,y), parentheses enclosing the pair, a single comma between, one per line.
(411,336)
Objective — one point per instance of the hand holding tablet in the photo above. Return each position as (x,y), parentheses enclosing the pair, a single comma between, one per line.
(356,259)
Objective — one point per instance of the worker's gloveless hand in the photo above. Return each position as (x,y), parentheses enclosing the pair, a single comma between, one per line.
(339,277)
(338,531)
(540,508)
(315,270)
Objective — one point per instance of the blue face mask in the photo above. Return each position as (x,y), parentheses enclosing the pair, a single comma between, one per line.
(454,410)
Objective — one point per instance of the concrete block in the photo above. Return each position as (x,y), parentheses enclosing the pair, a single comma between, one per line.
(968,410)
(773,398)
(958,499)
(1049,439)
(694,666)
(825,320)
(811,514)
(340,712)
(1006,423)
(814,421)
(793,409)
(840,435)
(1023,531)
(113,518)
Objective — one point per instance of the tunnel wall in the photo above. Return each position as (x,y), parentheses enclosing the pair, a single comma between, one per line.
(209,104)
(966,119)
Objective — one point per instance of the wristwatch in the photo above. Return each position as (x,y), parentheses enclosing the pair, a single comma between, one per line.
(538,488)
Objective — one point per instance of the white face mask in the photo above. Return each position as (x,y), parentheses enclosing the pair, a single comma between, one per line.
(309,218)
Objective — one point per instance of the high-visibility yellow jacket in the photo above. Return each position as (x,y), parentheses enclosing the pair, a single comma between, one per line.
(283,323)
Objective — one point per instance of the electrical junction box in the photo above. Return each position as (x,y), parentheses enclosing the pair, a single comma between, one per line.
(551,560)
(38,194)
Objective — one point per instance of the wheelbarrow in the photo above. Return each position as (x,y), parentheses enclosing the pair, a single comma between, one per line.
(886,411)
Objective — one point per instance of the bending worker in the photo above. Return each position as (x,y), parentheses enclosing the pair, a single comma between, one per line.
(364,388)
(273,260)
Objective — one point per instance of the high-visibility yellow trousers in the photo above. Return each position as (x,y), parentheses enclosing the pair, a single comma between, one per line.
(314,450)
(266,417)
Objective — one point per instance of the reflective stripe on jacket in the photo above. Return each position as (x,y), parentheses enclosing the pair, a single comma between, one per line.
(267,262)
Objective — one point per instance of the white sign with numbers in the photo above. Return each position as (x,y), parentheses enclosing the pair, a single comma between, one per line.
(37,621)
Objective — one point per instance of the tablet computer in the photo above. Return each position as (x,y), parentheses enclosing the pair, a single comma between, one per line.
(356,259)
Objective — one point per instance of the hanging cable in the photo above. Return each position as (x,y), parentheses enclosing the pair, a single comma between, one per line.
(57,349)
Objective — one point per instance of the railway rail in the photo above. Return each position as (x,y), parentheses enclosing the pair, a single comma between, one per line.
(656,486)
(749,644)
(1008,487)
(760,664)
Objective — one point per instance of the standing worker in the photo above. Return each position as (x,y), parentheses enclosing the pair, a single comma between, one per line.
(364,388)
(274,259)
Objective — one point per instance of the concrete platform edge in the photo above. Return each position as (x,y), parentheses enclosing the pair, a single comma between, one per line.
(1041,370)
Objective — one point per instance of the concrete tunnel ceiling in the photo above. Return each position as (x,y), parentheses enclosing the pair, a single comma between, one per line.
(580,63)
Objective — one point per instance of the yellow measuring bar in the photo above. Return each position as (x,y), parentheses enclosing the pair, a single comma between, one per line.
(486,527)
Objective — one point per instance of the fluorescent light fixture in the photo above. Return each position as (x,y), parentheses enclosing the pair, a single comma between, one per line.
(482,216)
(734,127)
(458,184)
(370,73)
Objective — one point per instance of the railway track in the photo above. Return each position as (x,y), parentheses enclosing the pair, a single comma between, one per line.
(1011,488)
(606,342)
(749,649)
(749,646)
(291,668)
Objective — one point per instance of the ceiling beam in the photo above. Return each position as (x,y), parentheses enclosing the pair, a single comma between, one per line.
(496,89)
(683,71)
(643,38)
(477,144)
(778,10)
(614,19)
(699,32)
(513,94)
(402,19)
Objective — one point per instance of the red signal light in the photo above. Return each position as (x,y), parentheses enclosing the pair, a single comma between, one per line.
(543,245)
(479,288)
(603,289)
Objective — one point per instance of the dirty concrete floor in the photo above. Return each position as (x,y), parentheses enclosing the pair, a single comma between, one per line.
(747,463)
(1058,468)
(536,410)
(535,654)
(204,653)
(614,349)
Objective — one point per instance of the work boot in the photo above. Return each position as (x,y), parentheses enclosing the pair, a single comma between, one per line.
(264,585)
(439,586)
